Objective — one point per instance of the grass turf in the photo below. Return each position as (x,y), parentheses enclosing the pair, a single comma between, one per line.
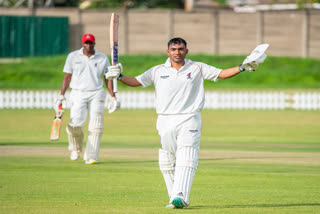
(39,184)
(250,162)
(274,73)
(286,130)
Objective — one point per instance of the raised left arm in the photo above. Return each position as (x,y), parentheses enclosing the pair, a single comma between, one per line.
(229,72)
(249,64)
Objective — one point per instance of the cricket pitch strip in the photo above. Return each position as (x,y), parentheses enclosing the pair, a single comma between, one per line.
(296,158)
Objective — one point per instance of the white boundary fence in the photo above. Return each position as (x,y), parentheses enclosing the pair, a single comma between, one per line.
(146,100)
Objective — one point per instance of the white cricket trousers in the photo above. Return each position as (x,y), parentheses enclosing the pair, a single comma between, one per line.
(91,102)
(84,102)
(178,157)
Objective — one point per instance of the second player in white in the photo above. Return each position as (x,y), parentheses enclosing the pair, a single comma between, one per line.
(84,73)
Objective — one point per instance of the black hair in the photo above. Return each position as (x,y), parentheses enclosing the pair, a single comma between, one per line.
(177,40)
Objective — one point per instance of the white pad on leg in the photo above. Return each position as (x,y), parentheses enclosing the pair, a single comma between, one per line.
(94,138)
(167,163)
(186,167)
(75,138)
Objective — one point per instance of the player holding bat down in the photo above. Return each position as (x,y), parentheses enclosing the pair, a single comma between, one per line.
(83,72)
(179,98)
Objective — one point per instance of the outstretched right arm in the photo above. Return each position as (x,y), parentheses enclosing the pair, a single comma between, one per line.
(129,81)
(115,72)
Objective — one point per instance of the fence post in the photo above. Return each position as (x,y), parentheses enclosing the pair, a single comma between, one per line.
(126,31)
(171,24)
(260,27)
(305,33)
(215,27)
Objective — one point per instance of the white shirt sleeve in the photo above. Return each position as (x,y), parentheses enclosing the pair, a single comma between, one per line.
(146,78)
(68,64)
(209,72)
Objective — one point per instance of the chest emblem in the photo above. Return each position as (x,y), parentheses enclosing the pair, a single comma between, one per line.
(164,77)
(189,75)
(95,65)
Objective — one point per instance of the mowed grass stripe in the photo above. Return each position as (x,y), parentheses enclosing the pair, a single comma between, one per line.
(295,158)
(278,131)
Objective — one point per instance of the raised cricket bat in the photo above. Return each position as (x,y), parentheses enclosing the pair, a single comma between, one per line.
(114,23)
(56,125)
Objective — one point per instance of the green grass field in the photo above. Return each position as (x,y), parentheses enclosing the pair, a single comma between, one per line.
(274,73)
(250,162)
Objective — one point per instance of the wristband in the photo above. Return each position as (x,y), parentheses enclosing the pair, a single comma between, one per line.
(241,69)
(120,77)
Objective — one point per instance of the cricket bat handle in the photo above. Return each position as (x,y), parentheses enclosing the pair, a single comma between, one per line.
(115,85)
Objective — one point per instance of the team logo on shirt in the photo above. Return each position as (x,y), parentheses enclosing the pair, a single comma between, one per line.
(95,65)
(164,77)
(193,130)
(189,75)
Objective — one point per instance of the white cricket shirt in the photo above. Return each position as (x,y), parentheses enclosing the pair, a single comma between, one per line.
(86,72)
(179,92)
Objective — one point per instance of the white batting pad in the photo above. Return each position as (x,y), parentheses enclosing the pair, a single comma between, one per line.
(75,138)
(186,167)
(167,163)
(256,54)
(94,138)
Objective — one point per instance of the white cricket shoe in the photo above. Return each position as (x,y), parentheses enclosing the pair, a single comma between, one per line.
(91,161)
(74,155)
(170,206)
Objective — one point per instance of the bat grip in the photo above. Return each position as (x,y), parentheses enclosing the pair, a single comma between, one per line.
(115,85)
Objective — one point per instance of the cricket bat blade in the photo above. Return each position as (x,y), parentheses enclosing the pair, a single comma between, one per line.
(56,125)
(114,23)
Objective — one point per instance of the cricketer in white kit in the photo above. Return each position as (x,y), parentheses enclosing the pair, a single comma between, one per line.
(84,70)
(179,95)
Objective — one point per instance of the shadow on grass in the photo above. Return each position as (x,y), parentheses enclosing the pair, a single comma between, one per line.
(52,143)
(128,162)
(254,205)
(151,161)
(64,143)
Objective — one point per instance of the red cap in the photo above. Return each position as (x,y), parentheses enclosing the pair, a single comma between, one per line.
(88,37)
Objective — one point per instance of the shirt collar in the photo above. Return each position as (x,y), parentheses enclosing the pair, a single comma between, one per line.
(82,54)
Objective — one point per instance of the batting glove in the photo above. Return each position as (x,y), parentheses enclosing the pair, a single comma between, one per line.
(252,66)
(60,101)
(113,71)
(113,105)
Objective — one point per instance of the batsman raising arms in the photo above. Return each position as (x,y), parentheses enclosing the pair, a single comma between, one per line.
(179,99)
(84,73)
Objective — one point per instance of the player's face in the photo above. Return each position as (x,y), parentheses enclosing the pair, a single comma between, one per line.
(88,46)
(177,53)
